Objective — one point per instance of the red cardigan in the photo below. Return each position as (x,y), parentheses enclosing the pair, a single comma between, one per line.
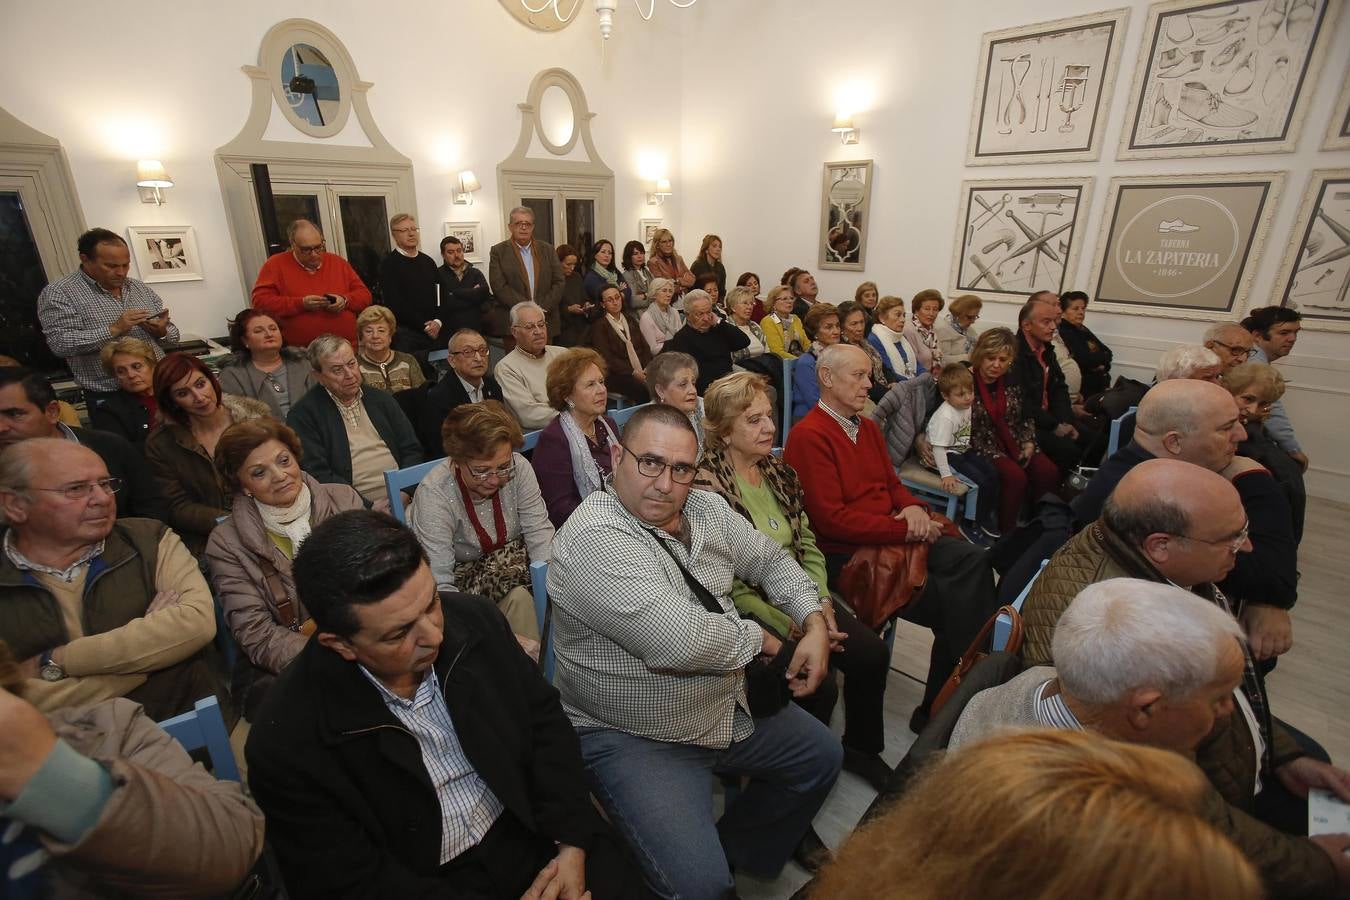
(852,493)
(283,284)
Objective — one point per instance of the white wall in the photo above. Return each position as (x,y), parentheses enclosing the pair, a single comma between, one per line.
(756,132)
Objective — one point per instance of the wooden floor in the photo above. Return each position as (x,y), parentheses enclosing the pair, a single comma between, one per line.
(1309,689)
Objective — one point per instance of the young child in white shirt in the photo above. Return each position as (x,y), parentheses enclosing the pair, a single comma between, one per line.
(949,433)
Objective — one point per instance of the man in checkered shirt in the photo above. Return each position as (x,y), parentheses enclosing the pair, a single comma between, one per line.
(96,304)
(654,682)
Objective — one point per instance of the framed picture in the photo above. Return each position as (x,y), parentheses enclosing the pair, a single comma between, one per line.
(1038,90)
(647,230)
(470,234)
(1019,236)
(1315,274)
(1183,246)
(1222,78)
(845,215)
(1338,132)
(166,253)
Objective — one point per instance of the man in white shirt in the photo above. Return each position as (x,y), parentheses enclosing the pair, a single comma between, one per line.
(523,372)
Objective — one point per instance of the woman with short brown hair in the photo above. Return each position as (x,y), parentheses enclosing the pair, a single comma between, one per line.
(925,308)
(956,330)
(900,358)
(572,458)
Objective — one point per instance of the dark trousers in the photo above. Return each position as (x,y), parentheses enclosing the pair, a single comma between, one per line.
(505,862)
(411,340)
(958,599)
(865,664)
(1276,805)
(1069,453)
(981,471)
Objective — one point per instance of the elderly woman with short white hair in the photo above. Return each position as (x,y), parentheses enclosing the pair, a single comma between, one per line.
(660,320)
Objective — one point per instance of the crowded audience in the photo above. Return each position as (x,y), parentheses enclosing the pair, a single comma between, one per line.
(261,367)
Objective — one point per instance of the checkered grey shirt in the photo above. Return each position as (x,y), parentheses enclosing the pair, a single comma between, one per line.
(75,314)
(468,806)
(636,650)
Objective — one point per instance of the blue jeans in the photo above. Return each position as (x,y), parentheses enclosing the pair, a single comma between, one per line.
(659,796)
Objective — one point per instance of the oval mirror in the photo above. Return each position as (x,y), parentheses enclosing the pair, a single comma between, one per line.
(310,85)
(555,116)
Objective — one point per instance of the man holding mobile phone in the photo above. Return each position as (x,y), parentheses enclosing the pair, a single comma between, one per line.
(308,290)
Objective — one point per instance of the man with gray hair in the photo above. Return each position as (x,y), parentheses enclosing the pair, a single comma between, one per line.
(1230,342)
(308,290)
(709,340)
(522,269)
(523,373)
(1150,663)
(1189,361)
(408,286)
(350,435)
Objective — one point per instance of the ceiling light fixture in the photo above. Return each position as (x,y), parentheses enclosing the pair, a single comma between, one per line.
(605,9)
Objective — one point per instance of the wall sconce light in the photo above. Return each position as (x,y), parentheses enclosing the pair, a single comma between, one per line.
(468,183)
(843,126)
(150,179)
(658,196)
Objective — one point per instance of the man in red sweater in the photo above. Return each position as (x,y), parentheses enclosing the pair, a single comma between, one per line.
(308,290)
(854,499)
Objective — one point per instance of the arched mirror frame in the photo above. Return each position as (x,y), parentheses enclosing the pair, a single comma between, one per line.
(278,40)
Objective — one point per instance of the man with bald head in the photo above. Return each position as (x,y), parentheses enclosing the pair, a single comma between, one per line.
(854,500)
(1230,342)
(308,290)
(95,607)
(1197,422)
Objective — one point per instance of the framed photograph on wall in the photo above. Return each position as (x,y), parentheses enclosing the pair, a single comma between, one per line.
(1338,132)
(1315,274)
(1215,79)
(470,234)
(1039,90)
(1017,236)
(165,253)
(647,230)
(845,215)
(1183,246)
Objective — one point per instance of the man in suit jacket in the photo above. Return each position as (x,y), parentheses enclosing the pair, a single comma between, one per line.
(468,382)
(520,269)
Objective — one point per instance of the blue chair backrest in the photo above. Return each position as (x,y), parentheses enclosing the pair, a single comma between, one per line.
(1113,441)
(440,355)
(539,583)
(531,440)
(395,480)
(1003,625)
(204,726)
(788,366)
(621,416)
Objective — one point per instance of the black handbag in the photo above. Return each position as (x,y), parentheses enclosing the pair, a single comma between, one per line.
(766,684)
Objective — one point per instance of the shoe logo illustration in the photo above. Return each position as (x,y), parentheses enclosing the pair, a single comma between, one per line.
(1176,226)
(1198,102)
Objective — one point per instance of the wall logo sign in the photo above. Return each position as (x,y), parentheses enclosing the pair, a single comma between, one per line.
(1177,246)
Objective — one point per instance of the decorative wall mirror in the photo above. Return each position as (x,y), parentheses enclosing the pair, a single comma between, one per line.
(311,76)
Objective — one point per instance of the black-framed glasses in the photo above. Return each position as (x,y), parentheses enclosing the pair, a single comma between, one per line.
(471,351)
(83,489)
(307,251)
(1238,352)
(502,472)
(1233,543)
(653,467)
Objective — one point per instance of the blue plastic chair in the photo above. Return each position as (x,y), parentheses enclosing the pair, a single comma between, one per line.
(949,502)
(531,440)
(395,480)
(204,726)
(1003,625)
(1113,441)
(539,584)
(788,366)
(621,416)
(441,355)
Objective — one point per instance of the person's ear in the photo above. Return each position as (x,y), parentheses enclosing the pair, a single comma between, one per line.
(52,413)
(1141,706)
(1157,547)
(1172,442)
(615,454)
(338,645)
(14,507)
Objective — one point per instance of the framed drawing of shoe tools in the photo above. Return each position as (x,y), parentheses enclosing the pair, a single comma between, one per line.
(1183,246)
(1215,79)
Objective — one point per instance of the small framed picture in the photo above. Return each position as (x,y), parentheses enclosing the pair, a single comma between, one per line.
(647,229)
(470,234)
(166,253)
(1315,275)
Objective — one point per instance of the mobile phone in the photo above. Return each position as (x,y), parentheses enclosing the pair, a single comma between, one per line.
(331,298)
(162,314)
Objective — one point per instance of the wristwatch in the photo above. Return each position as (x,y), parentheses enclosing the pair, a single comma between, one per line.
(50,669)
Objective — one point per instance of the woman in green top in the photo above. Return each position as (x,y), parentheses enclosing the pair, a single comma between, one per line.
(738,462)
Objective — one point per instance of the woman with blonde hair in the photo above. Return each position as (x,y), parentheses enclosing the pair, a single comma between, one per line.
(132,412)
(955,331)
(709,262)
(783,331)
(1050,814)
(664,262)
(381,365)
(1257,387)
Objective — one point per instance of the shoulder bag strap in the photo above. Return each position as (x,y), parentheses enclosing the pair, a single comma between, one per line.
(702,593)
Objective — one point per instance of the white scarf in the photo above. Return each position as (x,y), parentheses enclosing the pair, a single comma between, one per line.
(586,472)
(668,322)
(903,368)
(291,522)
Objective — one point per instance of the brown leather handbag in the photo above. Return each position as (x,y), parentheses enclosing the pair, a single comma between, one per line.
(882,579)
(976,652)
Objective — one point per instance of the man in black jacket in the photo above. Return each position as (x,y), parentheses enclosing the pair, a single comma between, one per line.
(468,382)
(28,409)
(408,288)
(1045,395)
(413,749)
(464,289)
(708,340)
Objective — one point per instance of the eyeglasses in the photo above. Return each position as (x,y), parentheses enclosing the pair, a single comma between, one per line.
(651,467)
(1238,352)
(471,351)
(1234,543)
(538,326)
(410,230)
(522,224)
(308,251)
(84,488)
(502,472)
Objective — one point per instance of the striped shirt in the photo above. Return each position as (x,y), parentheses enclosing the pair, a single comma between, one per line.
(1053,712)
(76,313)
(468,806)
(851,426)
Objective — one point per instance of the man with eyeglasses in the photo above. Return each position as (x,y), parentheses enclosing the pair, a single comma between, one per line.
(95,607)
(468,382)
(1230,342)
(522,269)
(653,679)
(308,290)
(523,373)
(408,287)
(29,409)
